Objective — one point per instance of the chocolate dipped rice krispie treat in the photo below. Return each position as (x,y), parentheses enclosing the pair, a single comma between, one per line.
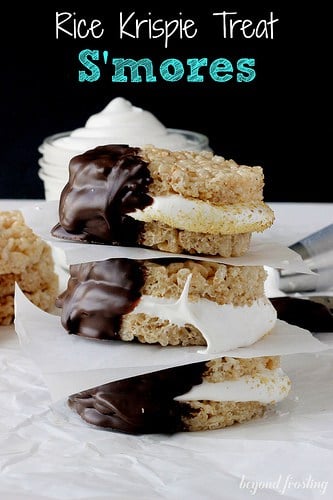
(169,302)
(196,397)
(180,202)
(27,260)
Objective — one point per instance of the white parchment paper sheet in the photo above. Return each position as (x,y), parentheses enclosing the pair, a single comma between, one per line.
(70,363)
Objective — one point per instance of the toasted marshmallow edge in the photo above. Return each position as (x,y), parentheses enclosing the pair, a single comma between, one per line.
(224,327)
(266,386)
(203,217)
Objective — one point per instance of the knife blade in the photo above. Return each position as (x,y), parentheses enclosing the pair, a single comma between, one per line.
(314,313)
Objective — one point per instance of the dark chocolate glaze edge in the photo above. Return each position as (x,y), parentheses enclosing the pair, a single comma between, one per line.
(143,404)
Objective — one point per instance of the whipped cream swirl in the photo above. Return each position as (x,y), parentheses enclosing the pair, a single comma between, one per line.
(122,123)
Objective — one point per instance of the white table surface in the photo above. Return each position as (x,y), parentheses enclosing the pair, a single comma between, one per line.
(45,455)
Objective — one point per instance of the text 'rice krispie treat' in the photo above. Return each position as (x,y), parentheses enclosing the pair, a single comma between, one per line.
(26,259)
(196,397)
(191,202)
(169,302)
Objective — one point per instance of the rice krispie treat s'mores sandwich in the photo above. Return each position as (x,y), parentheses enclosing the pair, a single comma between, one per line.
(27,260)
(167,302)
(180,202)
(197,397)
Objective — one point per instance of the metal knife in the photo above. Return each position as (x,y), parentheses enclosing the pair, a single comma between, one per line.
(314,313)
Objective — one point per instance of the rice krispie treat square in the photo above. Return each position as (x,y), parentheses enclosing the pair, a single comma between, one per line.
(27,260)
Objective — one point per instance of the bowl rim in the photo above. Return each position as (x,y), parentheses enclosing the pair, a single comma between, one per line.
(191,135)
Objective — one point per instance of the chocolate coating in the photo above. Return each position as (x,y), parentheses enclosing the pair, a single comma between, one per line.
(97,296)
(104,185)
(141,404)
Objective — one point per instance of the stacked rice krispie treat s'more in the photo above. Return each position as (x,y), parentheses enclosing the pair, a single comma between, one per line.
(189,204)
(27,260)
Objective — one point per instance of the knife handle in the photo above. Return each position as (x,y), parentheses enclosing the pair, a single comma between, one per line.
(317,252)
